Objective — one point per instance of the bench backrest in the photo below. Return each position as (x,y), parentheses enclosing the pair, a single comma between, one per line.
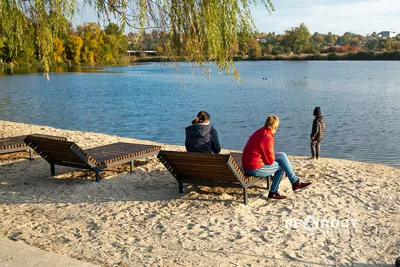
(57,151)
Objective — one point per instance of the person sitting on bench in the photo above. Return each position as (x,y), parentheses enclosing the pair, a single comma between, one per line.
(260,159)
(201,136)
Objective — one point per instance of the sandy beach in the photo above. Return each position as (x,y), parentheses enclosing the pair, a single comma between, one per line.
(350,215)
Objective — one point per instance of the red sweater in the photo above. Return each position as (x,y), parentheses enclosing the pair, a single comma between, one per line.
(259,150)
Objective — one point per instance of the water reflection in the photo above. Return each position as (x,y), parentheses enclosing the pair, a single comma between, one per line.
(62,69)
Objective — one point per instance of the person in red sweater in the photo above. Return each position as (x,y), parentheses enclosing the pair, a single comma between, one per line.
(260,159)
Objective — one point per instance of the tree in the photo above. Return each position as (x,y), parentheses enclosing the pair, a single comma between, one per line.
(114,29)
(330,39)
(200,30)
(298,39)
(163,44)
(385,44)
(17,38)
(75,44)
(318,41)
(92,37)
(1,48)
(268,49)
(278,49)
(58,50)
(243,44)
(254,50)
(371,44)
(396,45)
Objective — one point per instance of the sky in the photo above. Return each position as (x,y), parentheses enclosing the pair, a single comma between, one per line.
(323,16)
(337,16)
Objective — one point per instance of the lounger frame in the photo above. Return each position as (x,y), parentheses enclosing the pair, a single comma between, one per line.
(209,170)
(66,153)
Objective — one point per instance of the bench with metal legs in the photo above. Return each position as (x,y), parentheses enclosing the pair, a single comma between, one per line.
(66,153)
(209,170)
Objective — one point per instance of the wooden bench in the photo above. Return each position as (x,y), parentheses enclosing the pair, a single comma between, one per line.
(208,170)
(17,144)
(66,153)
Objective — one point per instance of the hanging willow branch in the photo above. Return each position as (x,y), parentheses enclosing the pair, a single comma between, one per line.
(200,30)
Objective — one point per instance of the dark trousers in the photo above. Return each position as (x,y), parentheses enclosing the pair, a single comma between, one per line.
(315,148)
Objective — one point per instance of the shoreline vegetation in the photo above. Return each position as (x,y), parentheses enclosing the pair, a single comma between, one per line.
(361,55)
(139,218)
(10,68)
(89,44)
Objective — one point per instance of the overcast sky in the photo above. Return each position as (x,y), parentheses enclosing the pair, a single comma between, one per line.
(337,16)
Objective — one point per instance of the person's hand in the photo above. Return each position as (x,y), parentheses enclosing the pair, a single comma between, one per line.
(312,138)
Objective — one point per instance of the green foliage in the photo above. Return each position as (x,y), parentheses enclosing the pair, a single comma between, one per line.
(75,44)
(268,49)
(24,24)
(58,54)
(298,40)
(254,50)
(371,44)
(362,55)
(330,39)
(199,30)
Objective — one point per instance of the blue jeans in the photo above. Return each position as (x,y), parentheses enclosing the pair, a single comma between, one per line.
(280,165)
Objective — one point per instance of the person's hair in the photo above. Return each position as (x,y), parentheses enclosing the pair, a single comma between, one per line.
(202,116)
(272,122)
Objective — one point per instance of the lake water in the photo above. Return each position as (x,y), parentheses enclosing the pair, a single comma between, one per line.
(360,101)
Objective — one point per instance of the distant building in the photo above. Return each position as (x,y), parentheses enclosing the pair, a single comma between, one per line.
(138,52)
(387,34)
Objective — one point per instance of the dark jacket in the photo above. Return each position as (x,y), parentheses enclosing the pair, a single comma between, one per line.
(318,128)
(202,138)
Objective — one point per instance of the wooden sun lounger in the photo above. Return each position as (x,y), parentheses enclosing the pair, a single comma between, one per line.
(17,144)
(66,153)
(208,170)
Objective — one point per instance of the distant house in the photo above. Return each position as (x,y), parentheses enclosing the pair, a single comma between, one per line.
(387,34)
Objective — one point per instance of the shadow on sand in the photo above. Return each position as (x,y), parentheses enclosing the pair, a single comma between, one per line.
(25,181)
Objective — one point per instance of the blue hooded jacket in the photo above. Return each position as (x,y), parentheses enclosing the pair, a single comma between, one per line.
(202,138)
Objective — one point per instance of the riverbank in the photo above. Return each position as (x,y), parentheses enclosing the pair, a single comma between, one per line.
(23,68)
(361,55)
(140,218)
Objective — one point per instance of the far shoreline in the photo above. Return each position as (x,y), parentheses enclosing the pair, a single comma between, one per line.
(24,68)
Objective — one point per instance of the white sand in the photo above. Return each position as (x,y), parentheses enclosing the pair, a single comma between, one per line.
(140,218)
(18,254)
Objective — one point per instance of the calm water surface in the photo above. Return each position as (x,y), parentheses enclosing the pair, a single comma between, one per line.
(360,101)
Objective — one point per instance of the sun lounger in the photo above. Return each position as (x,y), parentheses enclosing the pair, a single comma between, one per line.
(208,170)
(66,153)
(17,144)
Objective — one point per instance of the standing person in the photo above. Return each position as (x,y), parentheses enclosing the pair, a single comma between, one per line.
(201,136)
(260,159)
(317,133)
